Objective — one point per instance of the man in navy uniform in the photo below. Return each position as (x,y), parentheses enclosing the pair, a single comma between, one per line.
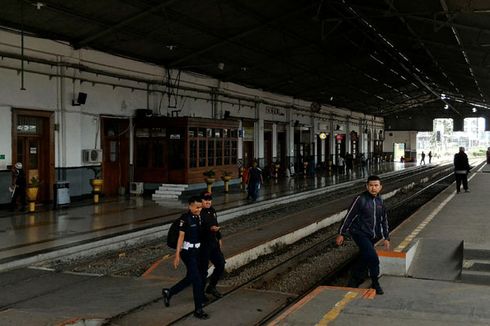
(188,245)
(366,222)
(211,245)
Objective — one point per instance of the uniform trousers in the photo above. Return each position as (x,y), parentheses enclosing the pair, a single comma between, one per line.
(368,258)
(190,258)
(212,253)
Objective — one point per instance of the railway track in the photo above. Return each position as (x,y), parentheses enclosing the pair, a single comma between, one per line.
(399,208)
(253,219)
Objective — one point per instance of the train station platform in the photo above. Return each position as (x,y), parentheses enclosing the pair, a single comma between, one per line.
(30,234)
(437,273)
(40,297)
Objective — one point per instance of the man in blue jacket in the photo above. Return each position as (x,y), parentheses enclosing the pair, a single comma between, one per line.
(366,223)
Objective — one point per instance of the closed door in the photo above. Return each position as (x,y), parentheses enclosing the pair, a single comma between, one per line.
(32,149)
(115,145)
(28,153)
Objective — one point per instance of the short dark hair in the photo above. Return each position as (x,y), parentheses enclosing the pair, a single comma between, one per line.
(373,178)
(206,196)
(194,199)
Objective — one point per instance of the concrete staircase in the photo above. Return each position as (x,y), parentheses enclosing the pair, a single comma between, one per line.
(169,191)
(476,264)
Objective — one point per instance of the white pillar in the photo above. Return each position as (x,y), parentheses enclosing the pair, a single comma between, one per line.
(274,142)
(259,135)
(240,140)
(348,148)
(290,136)
(322,149)
(332,140)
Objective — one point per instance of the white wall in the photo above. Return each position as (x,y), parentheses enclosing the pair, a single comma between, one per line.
(53,87)
(5,135)
(407,137)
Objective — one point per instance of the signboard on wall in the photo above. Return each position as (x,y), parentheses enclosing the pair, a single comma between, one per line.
(248,133)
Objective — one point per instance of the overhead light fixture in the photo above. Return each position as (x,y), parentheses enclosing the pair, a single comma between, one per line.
(171,47)
(221,66)
(39,5)
(446,106)
(331,98)
(474,110)
(443,96)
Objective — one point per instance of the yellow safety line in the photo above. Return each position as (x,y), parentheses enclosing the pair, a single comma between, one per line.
(424,223)
(335,311)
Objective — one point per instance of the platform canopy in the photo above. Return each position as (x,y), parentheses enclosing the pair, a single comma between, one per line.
(383,57)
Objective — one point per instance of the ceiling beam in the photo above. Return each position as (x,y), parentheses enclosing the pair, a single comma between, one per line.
(467,59)
(391,51)
(237,36)
(123,23)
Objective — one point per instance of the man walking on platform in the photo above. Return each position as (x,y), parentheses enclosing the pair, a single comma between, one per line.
(461,170)
(188,245)
(366,223)
(211,244)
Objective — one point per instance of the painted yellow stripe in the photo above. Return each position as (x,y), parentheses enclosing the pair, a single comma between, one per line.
(335,311)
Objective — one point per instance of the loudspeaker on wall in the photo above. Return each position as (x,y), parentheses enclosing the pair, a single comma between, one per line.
(82,98)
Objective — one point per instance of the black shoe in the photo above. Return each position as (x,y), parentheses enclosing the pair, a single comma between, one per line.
(467,190)
(200,314)
(166,297)
(378,288)
(214,292)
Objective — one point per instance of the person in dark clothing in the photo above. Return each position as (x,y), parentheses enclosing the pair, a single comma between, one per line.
(188,245)
(364,167)
(349,162)
(422,160)
(18,187)
(211,244)
(430,156)
(366,222)
(254,181)
(461,170)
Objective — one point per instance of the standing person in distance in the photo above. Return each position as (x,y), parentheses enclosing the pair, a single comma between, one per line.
(211,244)
(430,157)
(188,245)
(18,187)
(366,223)
(422,160)
(254,181)
(461,170)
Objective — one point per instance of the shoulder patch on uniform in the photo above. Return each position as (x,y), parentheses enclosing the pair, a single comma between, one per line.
(181,224)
